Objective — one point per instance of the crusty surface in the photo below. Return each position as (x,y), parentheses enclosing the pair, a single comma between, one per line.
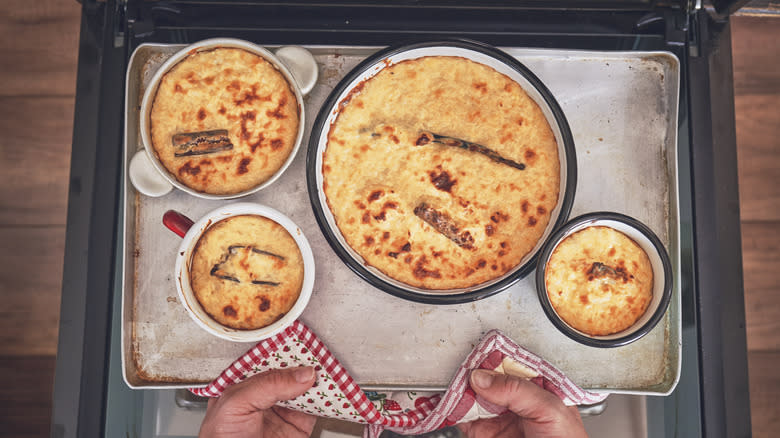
(242,304)
(375,174)
(234,90)
(599,300)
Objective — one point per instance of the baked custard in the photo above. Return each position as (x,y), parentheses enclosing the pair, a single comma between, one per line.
(599,281)
(223,121)
(441,172)
(246,272)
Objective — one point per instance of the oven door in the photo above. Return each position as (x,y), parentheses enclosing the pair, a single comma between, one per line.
(711,399)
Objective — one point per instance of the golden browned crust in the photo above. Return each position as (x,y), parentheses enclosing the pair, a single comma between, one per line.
(599,281)
(246,272)
(225,89)
(430,215)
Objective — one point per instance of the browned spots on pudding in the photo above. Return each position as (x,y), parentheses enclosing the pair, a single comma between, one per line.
(480,86)
(405,248)
(442,180)
(251,96)
(530,156)
(423,139)
(489,230)
(421,273)
(395,139)
(525,205)
(508,87)
(376,194)
(191,78)
(385,235)
(584,299)
(520,121)
(540,210)
(612,252)
(359,204)
(532,221)
(498,217)
(508,136)
(178,89)
(229,311)
(189,169)
(222,110)
(366,218)
(209,80)
(381,216)
(369,240)
(481,263)
(276,144)
(265,304)
(246,117)
(202,114)
(278,112)
(243,166)
(233,86)
(225,158)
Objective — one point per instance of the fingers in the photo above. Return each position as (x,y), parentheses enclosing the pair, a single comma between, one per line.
(520,396)
(264,390)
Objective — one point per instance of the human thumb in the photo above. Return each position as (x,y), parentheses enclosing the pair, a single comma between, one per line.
(520,396)
(262,391)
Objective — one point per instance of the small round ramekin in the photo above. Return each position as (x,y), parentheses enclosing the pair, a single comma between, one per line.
(299,60)
(179,223)
(659,260)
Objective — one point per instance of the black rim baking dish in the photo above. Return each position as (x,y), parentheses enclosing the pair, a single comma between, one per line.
(541,289)
(478,292)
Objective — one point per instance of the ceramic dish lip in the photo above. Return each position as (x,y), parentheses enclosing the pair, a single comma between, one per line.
(184,259)
(477,292)
(204,45)
(597,219)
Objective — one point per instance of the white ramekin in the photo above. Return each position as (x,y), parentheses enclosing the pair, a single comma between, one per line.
(184,260)
(301,75)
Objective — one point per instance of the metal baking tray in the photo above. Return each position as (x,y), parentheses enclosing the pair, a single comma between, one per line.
(622,110)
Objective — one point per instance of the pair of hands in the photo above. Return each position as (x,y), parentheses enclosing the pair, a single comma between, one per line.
(248,409)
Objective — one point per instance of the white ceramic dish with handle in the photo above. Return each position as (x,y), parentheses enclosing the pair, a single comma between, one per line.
(295,63)
(191,233)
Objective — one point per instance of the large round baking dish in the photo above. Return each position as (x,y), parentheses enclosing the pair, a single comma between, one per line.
(476,52)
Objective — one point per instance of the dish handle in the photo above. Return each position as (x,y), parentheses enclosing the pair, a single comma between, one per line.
(177,222)
(301,64)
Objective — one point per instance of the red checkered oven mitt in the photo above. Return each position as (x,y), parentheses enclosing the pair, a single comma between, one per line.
(336,395)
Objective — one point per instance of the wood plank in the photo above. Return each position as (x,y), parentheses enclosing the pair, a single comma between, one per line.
(39,47)
(761,264)
(30,278)
(758,155)
(26,397)
(755,48)
(35,159)
(764,393)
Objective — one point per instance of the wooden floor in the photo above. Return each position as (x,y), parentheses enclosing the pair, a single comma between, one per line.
(38,55)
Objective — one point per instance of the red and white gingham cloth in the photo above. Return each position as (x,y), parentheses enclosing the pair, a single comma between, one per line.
(335,394)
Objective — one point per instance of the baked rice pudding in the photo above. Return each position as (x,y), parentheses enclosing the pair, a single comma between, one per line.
(223,121)
(246,272)
(599,281)
(441,172)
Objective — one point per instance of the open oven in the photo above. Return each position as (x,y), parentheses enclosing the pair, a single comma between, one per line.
(705,391)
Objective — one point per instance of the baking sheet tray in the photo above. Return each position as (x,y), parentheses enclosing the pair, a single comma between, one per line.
(622,109)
